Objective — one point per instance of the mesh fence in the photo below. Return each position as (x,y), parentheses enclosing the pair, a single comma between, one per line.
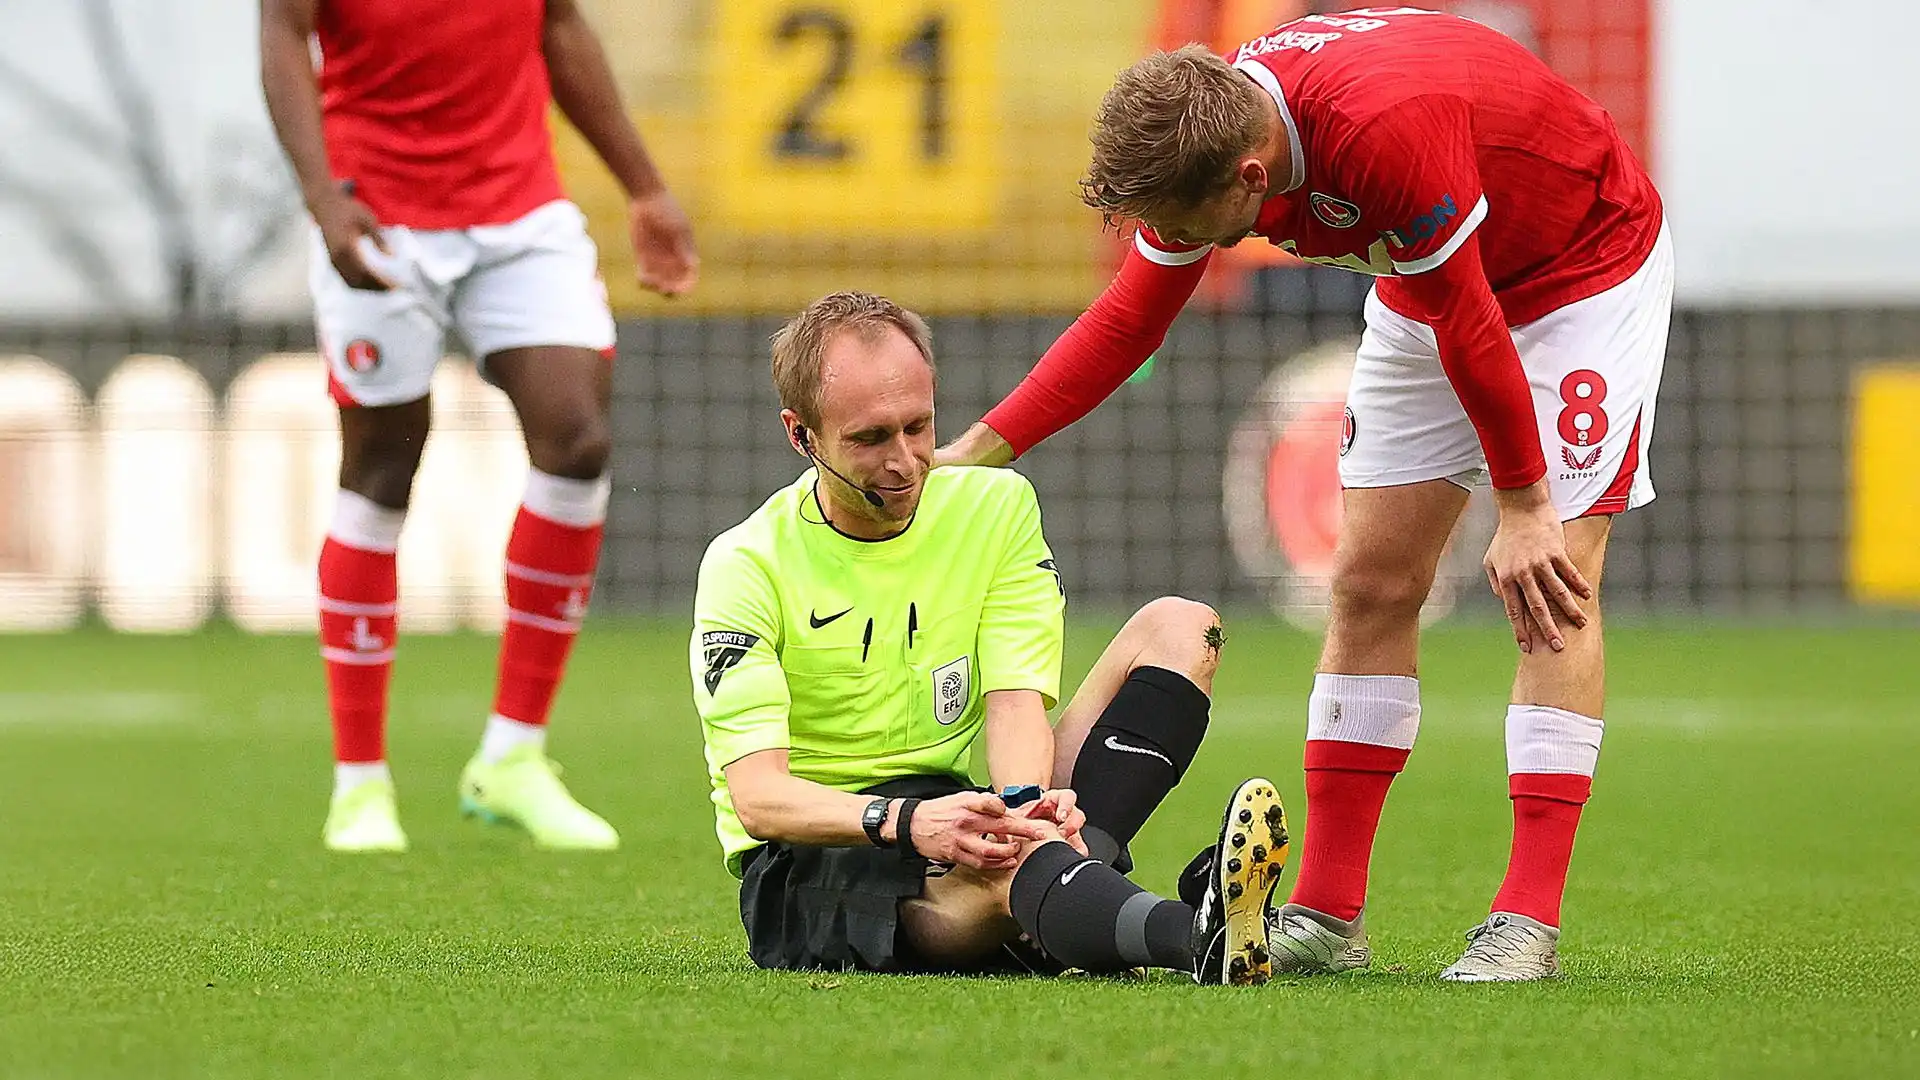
(1750,450)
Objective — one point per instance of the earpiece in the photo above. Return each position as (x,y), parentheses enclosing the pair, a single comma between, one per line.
(800,440)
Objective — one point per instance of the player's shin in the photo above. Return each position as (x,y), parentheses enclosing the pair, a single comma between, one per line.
(359,589)
(551,556)
(1553,746)
(1551,755)
(1360,730)
(1136,753)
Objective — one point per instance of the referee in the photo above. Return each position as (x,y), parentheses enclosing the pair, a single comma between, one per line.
(874,652)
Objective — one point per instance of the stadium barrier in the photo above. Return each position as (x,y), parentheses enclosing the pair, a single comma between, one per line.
(158,476)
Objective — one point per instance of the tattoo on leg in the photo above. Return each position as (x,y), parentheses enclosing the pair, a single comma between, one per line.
(1216,637)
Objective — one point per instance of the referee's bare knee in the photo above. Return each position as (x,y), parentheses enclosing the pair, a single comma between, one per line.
(1180,635)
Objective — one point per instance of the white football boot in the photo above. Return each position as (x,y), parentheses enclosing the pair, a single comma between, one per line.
(1508,948)
(1309,942)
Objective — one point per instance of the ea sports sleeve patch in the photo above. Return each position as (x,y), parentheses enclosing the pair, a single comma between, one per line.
(723,649)
(739,688)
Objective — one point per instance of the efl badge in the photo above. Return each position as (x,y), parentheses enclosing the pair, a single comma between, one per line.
(952,686)
(1346,432)
(1336,213)
(362,355)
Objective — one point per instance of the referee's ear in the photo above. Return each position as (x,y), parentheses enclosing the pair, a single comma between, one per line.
(796,433)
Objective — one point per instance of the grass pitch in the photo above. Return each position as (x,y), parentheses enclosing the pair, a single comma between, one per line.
(1743,901)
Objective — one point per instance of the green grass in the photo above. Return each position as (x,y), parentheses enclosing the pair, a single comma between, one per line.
(1743,900)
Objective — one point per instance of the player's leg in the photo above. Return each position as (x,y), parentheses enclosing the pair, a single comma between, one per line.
(1406,436)
(534,311)
(380,349)
(1553,744)
(1137,720)
(1595,368)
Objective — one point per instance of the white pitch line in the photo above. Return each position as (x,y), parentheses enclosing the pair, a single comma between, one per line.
(95,708)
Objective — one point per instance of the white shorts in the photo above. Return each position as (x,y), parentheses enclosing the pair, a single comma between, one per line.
(534,281)
(1595,370)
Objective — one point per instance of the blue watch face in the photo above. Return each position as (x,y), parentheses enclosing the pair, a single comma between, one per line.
(1020,794)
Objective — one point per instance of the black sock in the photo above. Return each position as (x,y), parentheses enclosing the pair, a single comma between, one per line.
(1136,753)
(1086,914)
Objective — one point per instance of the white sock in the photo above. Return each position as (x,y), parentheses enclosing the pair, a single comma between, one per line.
(1379,710)
(1543,739)
(579,503)
(348,775)
(503,736)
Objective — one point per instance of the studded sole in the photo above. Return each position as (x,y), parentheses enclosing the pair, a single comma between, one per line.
(1252,855)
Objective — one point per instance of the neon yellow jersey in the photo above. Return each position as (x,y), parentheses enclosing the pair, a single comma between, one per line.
(868,660)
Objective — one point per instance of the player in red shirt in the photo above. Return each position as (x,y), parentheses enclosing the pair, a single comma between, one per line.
(1516,333)
(422,150)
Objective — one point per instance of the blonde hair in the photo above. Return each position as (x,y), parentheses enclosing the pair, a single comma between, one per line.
(1169,132)
(800,347)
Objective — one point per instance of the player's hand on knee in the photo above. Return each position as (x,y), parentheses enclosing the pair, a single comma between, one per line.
(345,221)
(1529,569)
(974,829)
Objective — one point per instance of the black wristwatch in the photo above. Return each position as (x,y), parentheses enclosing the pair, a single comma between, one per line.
(873,818)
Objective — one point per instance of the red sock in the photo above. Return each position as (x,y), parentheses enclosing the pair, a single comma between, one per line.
(550,561)
(359,588)
(1346,788)
(1546,812)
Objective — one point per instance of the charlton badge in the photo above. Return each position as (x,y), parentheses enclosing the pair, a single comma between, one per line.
(1346,432)
(362,355)
(1336,213)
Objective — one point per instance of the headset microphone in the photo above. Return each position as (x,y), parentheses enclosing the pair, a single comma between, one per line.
(806,447)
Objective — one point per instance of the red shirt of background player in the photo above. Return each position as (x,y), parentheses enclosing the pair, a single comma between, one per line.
(437,109)
(1434,152)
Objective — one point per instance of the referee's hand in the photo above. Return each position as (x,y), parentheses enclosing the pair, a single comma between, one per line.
(974,829)
(1061,807)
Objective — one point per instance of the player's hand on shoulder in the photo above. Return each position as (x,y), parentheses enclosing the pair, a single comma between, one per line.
(974,829)
(663,251)
(344,222)
(1529,569)
(980,445)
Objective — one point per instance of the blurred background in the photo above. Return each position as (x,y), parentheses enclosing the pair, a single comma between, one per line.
(167,448)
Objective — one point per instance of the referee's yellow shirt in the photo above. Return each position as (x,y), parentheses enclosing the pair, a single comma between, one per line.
(867,660)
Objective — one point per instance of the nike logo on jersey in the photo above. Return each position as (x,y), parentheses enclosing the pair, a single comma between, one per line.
(1115,744)
(1074,870)
(817,622)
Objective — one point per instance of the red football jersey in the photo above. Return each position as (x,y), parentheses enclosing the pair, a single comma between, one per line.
(1411,129)
(1431,151)
(437,109)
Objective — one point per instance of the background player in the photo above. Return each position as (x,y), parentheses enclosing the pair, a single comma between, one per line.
(423,154)
(1525,285)
(872,635)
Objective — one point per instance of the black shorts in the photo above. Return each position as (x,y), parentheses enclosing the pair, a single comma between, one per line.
(838,908)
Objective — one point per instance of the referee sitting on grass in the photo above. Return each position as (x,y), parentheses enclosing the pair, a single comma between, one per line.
(879,634)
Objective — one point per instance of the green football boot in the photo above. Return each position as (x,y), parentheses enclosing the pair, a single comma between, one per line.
(365,819)
(523,788)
